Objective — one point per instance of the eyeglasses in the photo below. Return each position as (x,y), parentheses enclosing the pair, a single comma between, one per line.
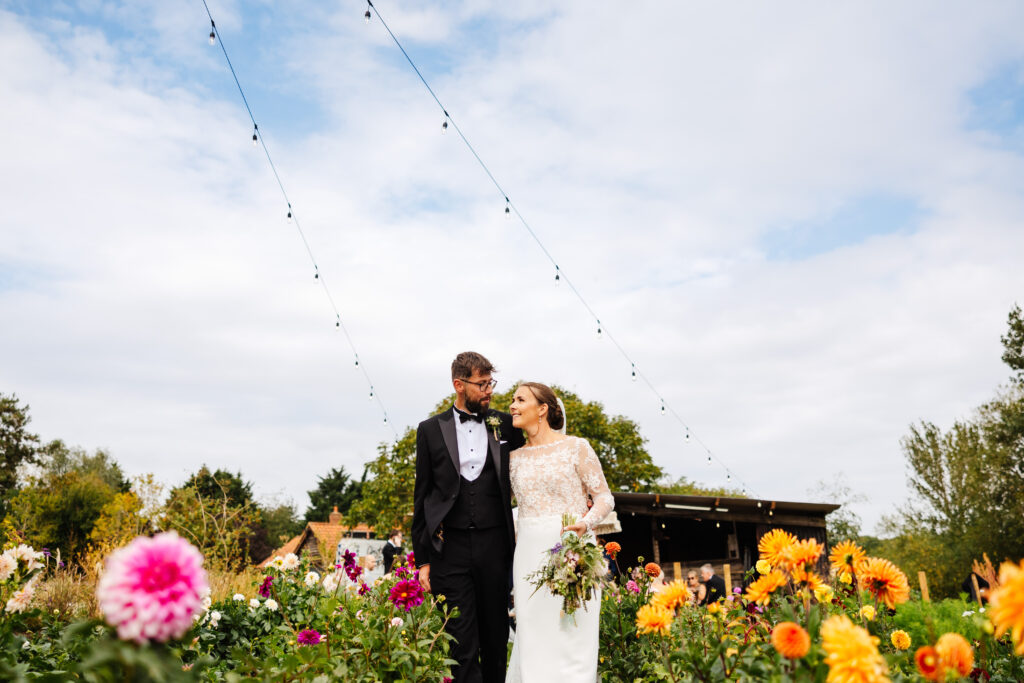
(483,386)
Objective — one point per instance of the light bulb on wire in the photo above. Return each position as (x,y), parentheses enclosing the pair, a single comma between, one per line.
(508,209)
(371,393)
(367,15)
(634,372)
(213,38)
(687,434)
(663,408)
(255,136)
(444,127)
(558,276)
(357,361)
(289,214)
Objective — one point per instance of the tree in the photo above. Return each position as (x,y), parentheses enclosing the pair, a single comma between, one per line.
(221,484)
(386,500)
(281,520)
(1013,343)
(335,488)
(687,487)
(18,446)
(843,524)
(58,459)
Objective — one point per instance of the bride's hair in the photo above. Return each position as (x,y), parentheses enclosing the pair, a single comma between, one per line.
(543,394)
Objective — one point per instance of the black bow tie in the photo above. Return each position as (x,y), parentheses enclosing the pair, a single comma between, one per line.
(464,416)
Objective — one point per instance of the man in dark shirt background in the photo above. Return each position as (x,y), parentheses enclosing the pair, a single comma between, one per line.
(714,584)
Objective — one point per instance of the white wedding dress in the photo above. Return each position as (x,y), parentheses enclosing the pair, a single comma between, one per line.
(547,481)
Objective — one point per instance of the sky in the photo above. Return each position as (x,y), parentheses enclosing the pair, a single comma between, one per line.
(802,221)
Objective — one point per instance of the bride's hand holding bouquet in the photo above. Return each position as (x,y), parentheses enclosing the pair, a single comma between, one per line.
(574,569)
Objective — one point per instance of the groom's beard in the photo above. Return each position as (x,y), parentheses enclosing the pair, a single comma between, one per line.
(476,406)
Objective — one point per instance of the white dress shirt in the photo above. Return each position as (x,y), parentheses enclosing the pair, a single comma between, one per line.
(472,440)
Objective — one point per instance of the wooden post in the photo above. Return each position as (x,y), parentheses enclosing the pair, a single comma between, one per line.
(677,570)
(727,575)
(924,586)
(977,589)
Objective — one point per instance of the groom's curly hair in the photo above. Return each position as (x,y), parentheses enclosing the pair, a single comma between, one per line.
(467,362)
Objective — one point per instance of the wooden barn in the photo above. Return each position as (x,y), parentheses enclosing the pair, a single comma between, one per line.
(683,532)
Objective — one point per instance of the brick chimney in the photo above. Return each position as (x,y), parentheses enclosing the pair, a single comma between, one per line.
(334,517)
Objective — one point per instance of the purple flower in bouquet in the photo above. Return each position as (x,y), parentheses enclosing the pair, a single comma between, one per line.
(407,594)
(572,558)
(556,548)
(308,637)
(152,588)
(633,586)
(264,590)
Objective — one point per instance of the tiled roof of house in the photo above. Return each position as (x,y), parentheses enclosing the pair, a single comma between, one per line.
(327,534)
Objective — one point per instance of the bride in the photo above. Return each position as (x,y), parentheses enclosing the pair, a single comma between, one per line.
(553,474)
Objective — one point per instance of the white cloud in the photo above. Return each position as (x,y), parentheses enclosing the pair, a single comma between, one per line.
(162,307)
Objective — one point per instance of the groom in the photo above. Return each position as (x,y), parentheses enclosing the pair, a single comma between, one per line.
(462,532)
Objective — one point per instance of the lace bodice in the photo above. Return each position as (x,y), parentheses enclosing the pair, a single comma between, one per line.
(555,478)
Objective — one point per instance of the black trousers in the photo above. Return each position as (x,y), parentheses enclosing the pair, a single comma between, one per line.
(472,574)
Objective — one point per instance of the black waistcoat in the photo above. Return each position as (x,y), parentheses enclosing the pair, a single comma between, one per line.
(478,505)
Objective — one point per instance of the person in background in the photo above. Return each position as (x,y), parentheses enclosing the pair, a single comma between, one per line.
(391,549)
(714,585)
(697,589)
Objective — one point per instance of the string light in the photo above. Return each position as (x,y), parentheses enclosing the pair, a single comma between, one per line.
(367,14)
(687,434)
(558,277)
(599,337)
(522,220)
(213,37)
(663,409)
(444,127)
(256,140)
(634,372)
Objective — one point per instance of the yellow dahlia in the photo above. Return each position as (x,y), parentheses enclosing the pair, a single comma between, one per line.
(955,654)
(800,554)
(900,639)
(790,640)
(868,612)
(1007,604)
(763,566)
(653,619)
(773,543)
(846,556)
(672,595)
(760,591)
(823,593)
(885,581)
(851,653)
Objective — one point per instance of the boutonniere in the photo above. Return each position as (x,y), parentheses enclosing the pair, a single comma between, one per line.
(494,422)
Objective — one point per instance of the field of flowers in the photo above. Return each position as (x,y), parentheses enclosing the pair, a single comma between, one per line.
(153,617)
(790,624)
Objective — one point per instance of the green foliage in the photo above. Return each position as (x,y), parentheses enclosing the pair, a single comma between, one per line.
(616,439)
(386,501)
(59,459)
(60,511)
(215,524)
(281,521)
(336,488)
(924,622)
(1013,343)
(844,523)
(221,485)
(18,446)
(687,487)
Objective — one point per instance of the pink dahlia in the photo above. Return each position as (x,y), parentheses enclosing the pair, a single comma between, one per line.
(152,588)
(308,637)
(407,594)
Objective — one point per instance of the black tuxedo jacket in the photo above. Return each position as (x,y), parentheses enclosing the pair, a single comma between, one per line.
(438,478)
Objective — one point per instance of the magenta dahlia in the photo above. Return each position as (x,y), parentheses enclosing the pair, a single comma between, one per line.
(308,637)
(407,594)
(152,588)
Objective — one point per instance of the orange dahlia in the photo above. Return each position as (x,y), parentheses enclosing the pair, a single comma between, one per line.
(885,581)
(791,640)
(612,548)
(807,579)
(955,654)
(851,653)
(846,556)
(773,543)
(653,619)
(1007,604)
(672,595)
(760,591)
(927,661)
(799,554)
(653,570)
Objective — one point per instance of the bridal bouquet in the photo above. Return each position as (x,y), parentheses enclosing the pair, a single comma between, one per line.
(573,570)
